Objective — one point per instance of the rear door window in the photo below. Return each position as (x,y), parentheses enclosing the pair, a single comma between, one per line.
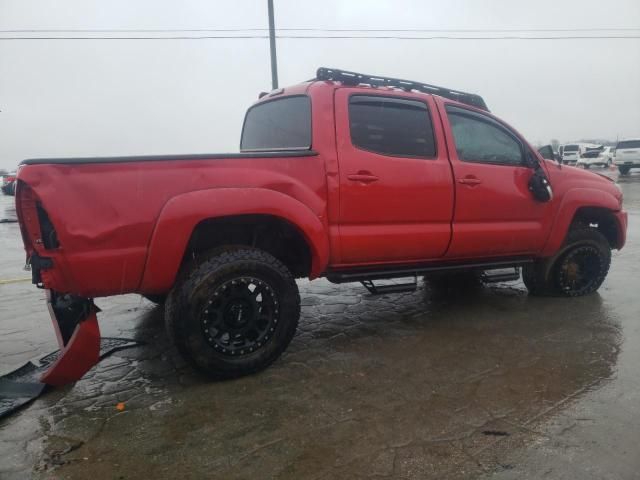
(391,126)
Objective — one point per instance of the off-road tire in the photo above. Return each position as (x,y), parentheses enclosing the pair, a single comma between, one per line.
(191,295)
(549,276)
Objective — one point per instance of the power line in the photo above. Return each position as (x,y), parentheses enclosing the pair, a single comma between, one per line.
(336,37)
(416,30)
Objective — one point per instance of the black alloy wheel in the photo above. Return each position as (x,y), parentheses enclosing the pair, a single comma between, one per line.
(240,316)
(579,271)
(233,312)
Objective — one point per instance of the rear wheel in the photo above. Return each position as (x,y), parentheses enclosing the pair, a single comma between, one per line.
(624,170)
(578,269)
(234,313)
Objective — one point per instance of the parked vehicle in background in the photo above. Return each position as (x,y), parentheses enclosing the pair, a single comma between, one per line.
(8,186)
(595,156)
(548,153)
(571,153)
(627,155)
(332,180)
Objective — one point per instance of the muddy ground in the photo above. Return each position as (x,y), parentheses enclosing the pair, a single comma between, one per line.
(465,384)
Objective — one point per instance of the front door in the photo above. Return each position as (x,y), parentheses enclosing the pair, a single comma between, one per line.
(495,213)
(396,194)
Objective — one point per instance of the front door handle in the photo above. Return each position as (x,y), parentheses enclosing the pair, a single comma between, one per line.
(364,177)
(470,180)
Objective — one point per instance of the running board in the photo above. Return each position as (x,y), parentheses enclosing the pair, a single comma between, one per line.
(390,288)
(369,274)
(501,275)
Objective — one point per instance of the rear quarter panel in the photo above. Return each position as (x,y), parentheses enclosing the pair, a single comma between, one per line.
(105,214)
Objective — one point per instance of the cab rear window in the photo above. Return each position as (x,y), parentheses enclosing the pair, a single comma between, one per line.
(282,124)
(628,144)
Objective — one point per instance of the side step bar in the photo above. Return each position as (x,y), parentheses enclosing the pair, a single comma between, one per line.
(390,288)
(367,275)
(501,275)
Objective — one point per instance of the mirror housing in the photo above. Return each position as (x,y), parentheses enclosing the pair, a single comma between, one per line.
(540,188)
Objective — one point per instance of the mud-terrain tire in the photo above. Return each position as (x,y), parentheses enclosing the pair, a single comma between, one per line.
(578,269)
(624,170)
(234,313)
(157,299)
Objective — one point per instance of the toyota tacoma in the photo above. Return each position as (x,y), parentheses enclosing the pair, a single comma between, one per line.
(351,177)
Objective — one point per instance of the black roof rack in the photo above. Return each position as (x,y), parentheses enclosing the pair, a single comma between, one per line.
(353,78)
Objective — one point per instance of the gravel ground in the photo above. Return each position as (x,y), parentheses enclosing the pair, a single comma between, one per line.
(486,382)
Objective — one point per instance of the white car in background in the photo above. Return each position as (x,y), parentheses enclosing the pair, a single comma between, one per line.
(572,152)
(600,156)
(627,155)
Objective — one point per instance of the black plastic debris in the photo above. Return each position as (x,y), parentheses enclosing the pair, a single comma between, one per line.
(22,385)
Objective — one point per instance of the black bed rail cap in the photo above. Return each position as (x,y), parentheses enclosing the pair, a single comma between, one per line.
(353,78)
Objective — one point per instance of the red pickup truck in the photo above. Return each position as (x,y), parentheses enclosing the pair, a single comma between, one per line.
(348,176)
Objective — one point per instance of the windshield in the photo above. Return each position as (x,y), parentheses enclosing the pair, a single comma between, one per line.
(570,148)
(628,144)
(282,124)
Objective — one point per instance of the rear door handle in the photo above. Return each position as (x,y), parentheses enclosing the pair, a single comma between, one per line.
(362,177)
(470,181)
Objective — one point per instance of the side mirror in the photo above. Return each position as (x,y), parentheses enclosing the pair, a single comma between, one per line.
(540,188)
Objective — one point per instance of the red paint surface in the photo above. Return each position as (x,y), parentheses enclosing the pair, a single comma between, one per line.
(123,227)
(76,357)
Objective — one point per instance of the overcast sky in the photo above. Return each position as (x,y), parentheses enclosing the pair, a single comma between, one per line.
(111,97)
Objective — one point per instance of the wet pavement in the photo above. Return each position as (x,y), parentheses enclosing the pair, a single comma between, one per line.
(484,382)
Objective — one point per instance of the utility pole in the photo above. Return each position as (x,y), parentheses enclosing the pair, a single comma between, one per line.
(272,45)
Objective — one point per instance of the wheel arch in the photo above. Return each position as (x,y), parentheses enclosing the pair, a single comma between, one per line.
(591,207)
(185,218)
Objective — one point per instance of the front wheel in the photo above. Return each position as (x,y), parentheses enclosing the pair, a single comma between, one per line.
(234,313)
(578,269)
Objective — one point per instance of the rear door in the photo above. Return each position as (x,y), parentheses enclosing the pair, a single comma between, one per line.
(495,214)
(396,186)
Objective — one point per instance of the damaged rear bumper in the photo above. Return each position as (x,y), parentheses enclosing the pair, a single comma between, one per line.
(76,326)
